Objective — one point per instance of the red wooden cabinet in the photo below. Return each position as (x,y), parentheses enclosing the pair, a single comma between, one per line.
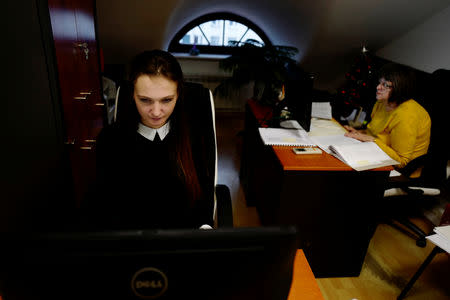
(78,66)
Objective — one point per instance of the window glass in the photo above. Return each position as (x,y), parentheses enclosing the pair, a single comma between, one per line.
(251,35)
(213,31)
(214,34)
(233,31)
(194,36)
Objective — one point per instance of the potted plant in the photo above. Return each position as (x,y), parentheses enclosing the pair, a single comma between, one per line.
(266,65)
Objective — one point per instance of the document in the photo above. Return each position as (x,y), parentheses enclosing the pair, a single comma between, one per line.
(441,238)
(362,156)
(325,141)
(444,231)
(329,136)
(321,127)
(321,110)
(285,137)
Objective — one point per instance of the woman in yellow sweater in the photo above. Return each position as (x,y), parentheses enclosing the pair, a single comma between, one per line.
(400,126)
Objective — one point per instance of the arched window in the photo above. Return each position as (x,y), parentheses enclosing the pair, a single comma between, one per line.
(216,33)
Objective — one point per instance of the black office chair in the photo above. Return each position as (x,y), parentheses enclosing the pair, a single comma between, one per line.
(434,164)
(201,114)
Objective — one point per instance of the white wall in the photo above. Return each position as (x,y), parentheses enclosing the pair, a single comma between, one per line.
(205,70)
(426,47)
(328,33)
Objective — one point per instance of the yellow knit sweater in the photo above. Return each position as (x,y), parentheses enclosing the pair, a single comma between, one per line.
(403,133)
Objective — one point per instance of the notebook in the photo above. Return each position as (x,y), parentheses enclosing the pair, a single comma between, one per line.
(285,137)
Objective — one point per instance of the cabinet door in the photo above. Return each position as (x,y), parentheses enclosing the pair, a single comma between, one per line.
(89,69)
(74,34)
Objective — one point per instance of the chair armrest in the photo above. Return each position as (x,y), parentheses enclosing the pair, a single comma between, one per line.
(413,165)
(224,207)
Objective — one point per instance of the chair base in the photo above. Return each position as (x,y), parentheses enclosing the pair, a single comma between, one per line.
(419,272)
(418,234)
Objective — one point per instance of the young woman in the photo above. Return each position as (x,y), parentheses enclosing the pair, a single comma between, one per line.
(148,174)
(399,126)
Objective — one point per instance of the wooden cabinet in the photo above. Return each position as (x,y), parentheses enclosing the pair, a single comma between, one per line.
(78,67)
(53,113)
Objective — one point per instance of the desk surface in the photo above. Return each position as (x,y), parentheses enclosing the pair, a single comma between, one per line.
(304,285)
(293,162)
(312,162)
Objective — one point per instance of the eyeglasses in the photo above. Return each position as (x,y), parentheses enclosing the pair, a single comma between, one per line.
(385,85)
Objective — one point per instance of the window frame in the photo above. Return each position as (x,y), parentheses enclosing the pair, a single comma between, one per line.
(175,46)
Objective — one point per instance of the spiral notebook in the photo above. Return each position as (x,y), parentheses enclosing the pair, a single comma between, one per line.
(285,137)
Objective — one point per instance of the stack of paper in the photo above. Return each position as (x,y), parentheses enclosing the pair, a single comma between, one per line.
(325,141)
(321,110)
(321,127)
(441,238)
(285,137)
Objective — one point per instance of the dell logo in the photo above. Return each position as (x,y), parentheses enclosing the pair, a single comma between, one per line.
(149,283)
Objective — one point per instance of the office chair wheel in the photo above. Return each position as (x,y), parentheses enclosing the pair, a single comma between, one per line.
(421,242)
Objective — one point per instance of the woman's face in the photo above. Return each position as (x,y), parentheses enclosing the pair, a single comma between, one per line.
(384,89)
(155,98)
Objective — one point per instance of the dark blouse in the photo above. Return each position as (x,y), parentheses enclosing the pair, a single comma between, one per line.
(138,186)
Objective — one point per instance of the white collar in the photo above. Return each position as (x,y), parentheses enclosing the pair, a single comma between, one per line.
(149,133)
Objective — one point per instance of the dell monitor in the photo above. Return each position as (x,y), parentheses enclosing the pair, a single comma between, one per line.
(233,263)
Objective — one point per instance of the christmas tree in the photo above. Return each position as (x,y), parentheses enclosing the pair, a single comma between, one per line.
(358,91)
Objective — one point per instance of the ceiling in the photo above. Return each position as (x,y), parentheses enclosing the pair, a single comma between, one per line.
(328,33)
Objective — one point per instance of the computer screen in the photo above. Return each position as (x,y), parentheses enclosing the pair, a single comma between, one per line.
(298,95)
(233,263)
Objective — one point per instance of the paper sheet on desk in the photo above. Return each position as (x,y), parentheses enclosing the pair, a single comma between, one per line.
(325,141)
(362,156)
(285,137)
(320,127)
(440,241)
(443,231)
(321,110)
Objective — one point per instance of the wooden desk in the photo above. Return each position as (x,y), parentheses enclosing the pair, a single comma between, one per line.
(322,162)
(304,285)
(332,205)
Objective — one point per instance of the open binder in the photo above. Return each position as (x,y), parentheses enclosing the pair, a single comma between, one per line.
(362,156)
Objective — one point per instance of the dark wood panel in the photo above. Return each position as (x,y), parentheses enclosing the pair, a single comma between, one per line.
(76,49)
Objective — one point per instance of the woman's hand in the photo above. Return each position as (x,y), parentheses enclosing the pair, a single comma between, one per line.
(350,128)
(360,136)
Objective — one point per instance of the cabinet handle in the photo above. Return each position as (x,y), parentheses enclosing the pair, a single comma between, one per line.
(90,141)
(99,104)
(86,148)
(85,93)
(70,142)
(81,45)
(80,98)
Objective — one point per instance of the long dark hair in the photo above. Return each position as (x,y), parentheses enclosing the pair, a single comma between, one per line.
(162,63)
(403,81)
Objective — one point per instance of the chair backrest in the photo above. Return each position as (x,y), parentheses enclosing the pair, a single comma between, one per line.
(437,103)
(201,112)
